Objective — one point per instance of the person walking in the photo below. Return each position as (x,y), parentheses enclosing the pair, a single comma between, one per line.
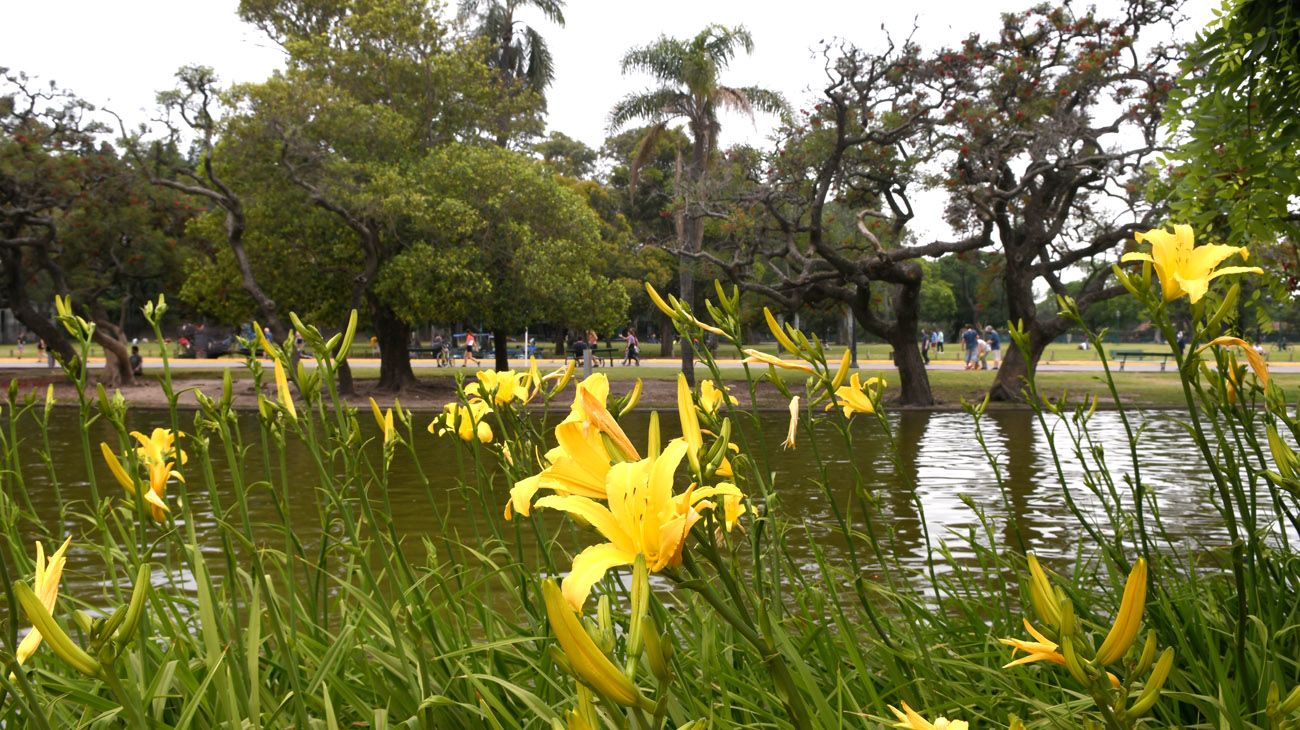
(471,349)
(22,344)
(995,345)
(970,343)
(633,349)
(925,347)
(938,340)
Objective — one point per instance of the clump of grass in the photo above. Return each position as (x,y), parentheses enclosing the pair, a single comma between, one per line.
(255,622)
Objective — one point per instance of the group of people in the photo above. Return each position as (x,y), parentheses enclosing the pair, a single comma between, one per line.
(979,348)
(631,346)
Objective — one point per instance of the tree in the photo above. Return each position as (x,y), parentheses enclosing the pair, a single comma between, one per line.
(44,132)
(1237,171)
(1056,120)
(566,155)
(690,88)
(192,110)
(517,50)
(648,212)
(393,70)
(829,208)
(504,242)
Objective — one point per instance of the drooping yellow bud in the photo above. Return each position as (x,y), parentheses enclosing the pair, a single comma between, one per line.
(843,371)
(586,659)
(690,421)
(282,391)
(1041,594)
(1129,619)
(778,332)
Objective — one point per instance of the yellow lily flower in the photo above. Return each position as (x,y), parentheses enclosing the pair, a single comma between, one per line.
(643,517)
(589,409)
(733,508)
(158,454)
(794,424)
(532,380)
(908,718)
(633,398)
(762,358)
(1184,267)
(586,659)
(577,465)
(859,397)
(465,421)
(842,371)
(1038,650)
(501,388)
(46,587)
(711,396)
(1256,360)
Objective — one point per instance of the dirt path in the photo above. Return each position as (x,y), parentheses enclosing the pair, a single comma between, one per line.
(430,396)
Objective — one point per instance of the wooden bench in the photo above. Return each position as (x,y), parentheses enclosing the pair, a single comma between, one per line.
(600,356)
(1125,356)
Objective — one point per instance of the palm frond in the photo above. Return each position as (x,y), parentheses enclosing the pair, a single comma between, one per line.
(644,150)
(662,59)
(552,9)
(654,106)
(541,66)
(720,42)
(750,99)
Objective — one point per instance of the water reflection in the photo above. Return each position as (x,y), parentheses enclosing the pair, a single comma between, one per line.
(917,491)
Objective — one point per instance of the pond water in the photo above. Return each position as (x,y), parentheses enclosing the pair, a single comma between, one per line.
(921,496)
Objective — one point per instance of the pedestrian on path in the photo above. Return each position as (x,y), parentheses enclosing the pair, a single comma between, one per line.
(471,349)
(633,349)
(970,341)
(995,345)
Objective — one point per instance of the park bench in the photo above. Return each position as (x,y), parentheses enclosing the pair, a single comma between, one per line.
(601,356)
(1125,356)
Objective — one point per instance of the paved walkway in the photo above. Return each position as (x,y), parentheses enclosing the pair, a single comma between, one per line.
(667,365)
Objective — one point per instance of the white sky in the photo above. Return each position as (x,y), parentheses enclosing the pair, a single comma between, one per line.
(119,54)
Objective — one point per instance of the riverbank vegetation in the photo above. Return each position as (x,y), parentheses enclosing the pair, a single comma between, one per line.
(668,596)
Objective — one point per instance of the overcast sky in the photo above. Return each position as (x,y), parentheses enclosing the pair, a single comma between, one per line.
(118,54)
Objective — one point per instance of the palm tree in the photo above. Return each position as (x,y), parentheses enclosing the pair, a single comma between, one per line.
(689,89)
(517,50)
(520,54)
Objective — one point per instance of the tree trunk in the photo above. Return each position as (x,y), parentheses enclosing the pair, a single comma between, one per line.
(117,358)
(346,385)
(1018,284)
(502,350)
(394,336)
(686,286)
(913,380)
(903,335)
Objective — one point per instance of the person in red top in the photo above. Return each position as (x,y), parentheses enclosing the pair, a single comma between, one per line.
(471,349)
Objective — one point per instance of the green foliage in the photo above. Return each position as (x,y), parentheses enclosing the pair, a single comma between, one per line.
(1236,174)
(522,247)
